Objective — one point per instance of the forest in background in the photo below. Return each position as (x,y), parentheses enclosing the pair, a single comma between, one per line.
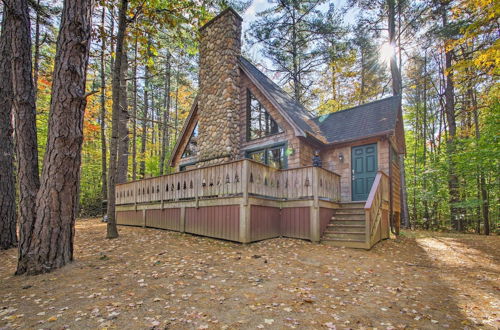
(446,52)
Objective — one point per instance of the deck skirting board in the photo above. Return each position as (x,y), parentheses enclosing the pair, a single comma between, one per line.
(229,218)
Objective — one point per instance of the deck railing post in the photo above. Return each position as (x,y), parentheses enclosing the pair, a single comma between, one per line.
(197,183)
(135,195)
(162,190)
(244,180)
(315,186)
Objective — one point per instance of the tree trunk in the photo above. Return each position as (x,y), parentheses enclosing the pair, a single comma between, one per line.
(104,181)
(424,142)
(134,115)
(123,139)
(395,71)
(36,59)
(449,94)
(25,119)
(112,231)
(166,116)
(362,84)
(483,193)
(396,90)
(142,166)
(177,103)
(57,199)
(8,237)
(295,55)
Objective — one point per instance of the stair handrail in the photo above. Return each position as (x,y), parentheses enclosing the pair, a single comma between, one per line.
(373,206)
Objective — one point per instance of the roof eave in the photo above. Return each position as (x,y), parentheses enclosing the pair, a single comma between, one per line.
(379,134)
(315,138)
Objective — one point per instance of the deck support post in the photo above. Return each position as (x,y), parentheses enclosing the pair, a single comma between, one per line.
(182,223)
(315,221)
(245,223)
(315,225)
(144,218)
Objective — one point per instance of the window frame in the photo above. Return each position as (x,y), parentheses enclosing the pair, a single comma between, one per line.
(266,148)
(249,118)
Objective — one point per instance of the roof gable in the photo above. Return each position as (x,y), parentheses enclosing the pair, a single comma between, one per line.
(291,110)
(184,133)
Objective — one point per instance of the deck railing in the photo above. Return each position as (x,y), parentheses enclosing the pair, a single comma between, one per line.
(376,209)
(238,178)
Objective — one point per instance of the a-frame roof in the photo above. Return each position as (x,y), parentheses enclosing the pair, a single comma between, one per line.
(366,120)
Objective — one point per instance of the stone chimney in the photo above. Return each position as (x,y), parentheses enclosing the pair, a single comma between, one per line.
(219,93)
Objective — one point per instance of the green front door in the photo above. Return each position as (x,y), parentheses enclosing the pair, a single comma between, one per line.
(364,170)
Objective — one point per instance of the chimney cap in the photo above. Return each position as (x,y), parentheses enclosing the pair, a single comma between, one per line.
(222,13)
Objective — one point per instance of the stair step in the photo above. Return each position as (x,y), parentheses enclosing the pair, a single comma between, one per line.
(359,222)
(333,228)
(352,223)
(344,232)
(347,234)
(343,239)
(348,205)
(348,217)
(350,212)
(344,226)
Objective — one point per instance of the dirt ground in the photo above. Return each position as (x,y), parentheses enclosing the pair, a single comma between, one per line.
(149,278)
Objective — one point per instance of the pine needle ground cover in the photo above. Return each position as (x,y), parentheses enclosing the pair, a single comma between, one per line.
(148,278)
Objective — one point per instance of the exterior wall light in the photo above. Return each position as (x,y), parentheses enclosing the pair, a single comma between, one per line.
(341,157)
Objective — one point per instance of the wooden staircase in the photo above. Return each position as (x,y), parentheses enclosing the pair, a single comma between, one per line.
(347,226)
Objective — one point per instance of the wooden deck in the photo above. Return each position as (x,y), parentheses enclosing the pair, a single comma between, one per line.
(242,201)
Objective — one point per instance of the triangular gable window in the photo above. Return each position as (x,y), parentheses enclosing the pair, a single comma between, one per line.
(192,146)
(259,122)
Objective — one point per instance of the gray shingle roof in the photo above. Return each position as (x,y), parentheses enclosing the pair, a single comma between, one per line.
(300,116)
(355,123)
(364,120)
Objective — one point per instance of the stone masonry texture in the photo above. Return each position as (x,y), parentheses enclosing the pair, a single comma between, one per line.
(219,77)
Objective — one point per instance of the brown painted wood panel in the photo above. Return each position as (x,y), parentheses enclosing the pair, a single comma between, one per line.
(396,187)
(214,221)
(384,224)
(325,215)
(264,222)
(129,218)
(295,222)
(164,219)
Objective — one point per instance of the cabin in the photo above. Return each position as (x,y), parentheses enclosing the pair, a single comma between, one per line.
(252,163)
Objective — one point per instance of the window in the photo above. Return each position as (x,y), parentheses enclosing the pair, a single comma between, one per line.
(192,146)
(260,123)
(272,156)
(259,156)
(276,157)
